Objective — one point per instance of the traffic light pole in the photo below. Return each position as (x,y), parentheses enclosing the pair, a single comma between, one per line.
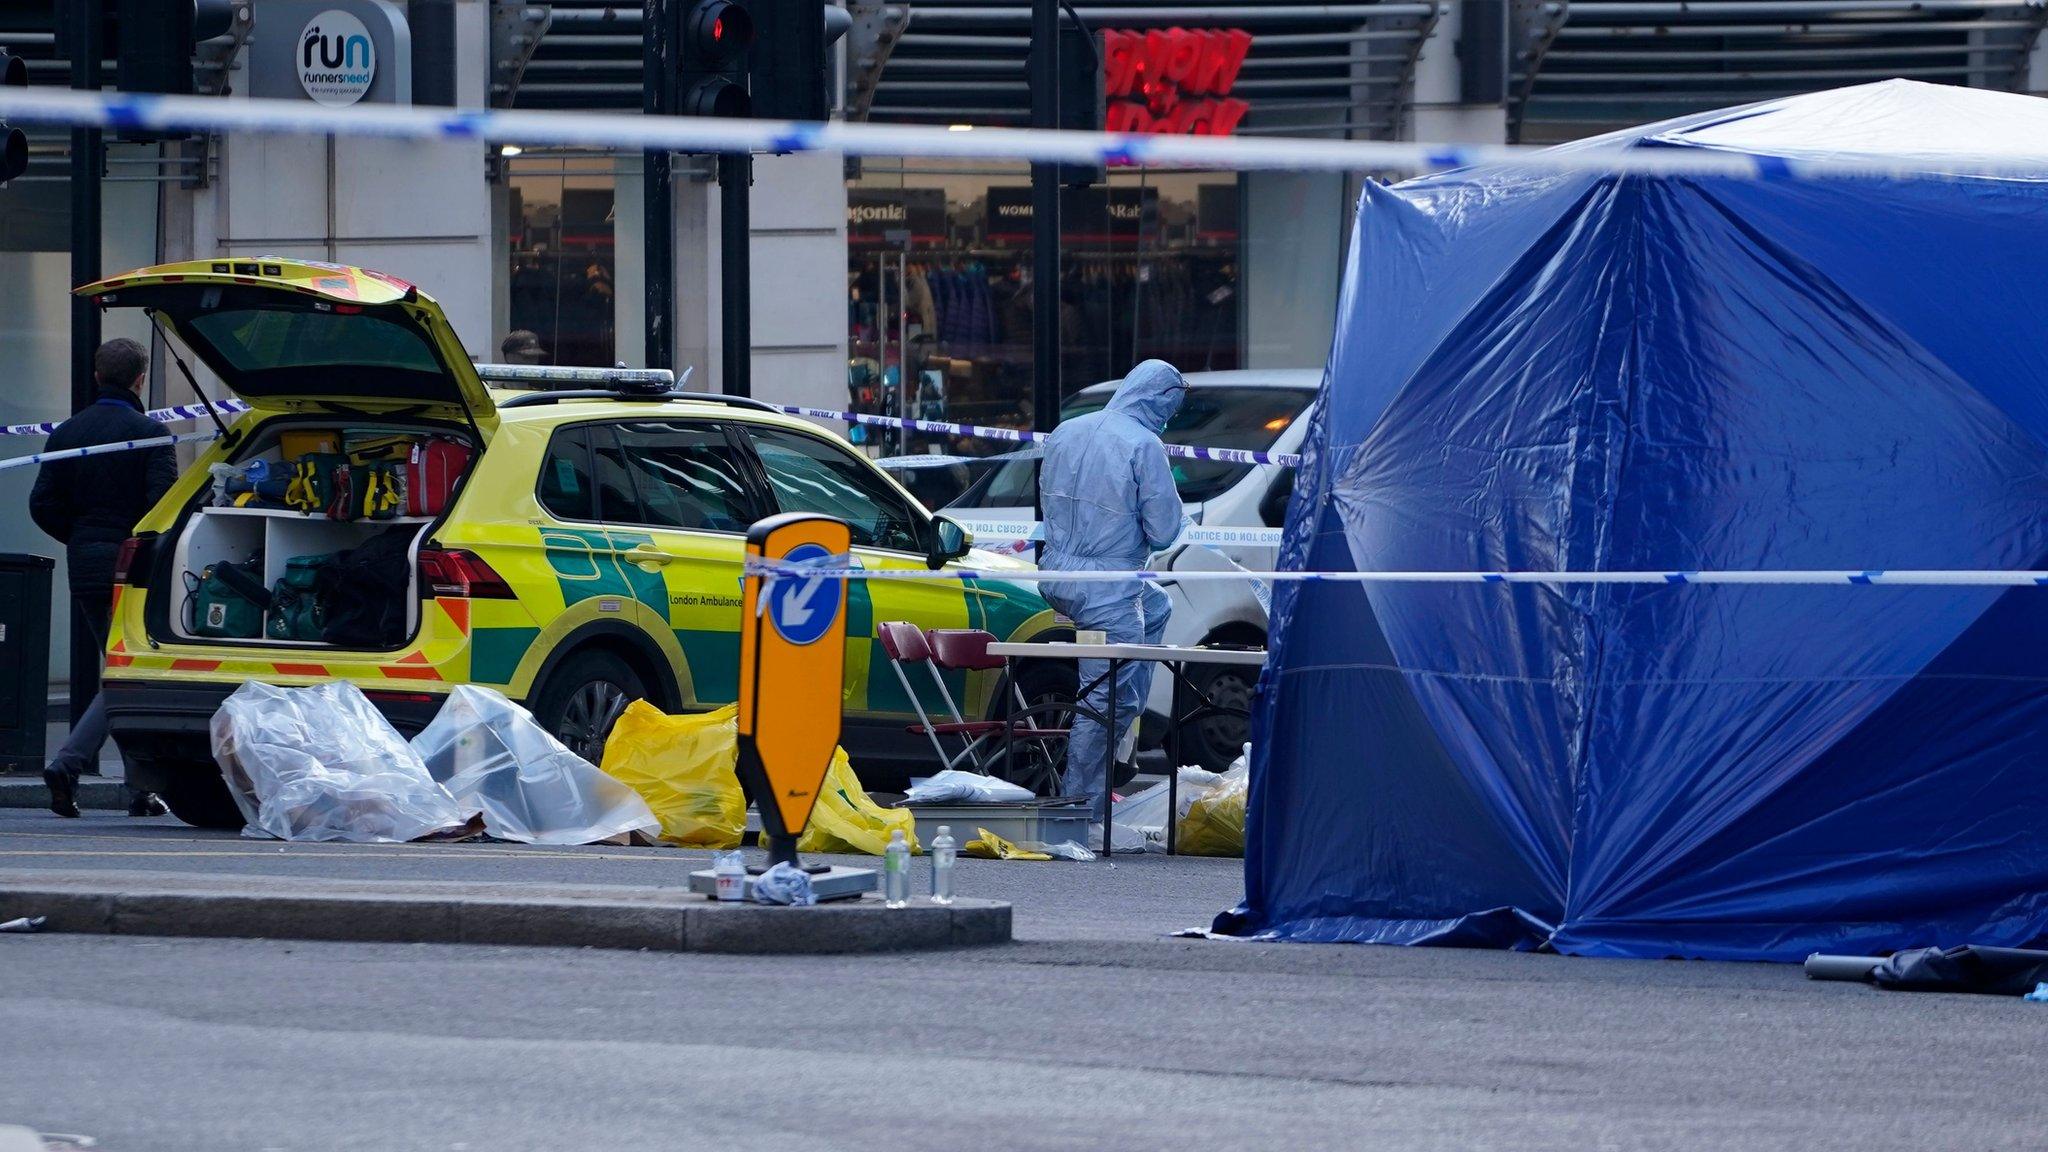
(735,274)
(87,48)
(1045,222)
(658,43)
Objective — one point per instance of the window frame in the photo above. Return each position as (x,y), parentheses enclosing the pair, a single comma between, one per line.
(920,518)
(752,476)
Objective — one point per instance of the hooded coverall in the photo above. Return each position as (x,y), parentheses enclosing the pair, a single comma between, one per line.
(1109,502)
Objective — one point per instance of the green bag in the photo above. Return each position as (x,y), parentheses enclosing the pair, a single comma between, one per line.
(373,491)
(226,601)
(295,609)
(312,481)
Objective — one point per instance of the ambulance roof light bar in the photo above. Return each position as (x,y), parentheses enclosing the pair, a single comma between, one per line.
(552,376)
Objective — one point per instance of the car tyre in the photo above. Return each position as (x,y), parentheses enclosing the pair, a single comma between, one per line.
(583,696)
(1216,737)
(197,795)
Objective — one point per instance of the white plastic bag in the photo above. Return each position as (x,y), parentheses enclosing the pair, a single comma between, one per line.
(1138,822)
(953,786)
(785,883)
(322,763)
(494,758)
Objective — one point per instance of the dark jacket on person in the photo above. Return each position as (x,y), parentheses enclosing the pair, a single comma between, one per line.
(91,503)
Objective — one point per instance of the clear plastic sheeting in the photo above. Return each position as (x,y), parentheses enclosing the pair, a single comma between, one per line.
(1540,371)
(321,763)
(495,759)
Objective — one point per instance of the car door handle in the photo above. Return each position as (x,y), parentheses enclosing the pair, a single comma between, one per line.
(648,555)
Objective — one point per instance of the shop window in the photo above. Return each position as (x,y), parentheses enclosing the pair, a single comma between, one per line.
(939,299)
(561,266)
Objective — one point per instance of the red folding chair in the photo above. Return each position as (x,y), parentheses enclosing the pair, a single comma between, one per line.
(904,644)
(1026,746)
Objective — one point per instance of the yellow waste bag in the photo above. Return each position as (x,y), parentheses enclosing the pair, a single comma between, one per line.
(845,820)
(683,766)
(1214,825)
(989,846)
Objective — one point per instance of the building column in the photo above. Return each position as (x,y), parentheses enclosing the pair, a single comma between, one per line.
(1437,113)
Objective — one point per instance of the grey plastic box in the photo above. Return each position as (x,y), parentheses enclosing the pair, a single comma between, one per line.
(1045,821)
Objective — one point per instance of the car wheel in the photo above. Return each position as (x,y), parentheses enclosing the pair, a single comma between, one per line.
(583,697)
(1216,735)
(197,795)
(1049,689)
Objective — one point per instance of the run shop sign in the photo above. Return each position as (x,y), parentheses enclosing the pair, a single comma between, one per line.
(332,52)
(336,59)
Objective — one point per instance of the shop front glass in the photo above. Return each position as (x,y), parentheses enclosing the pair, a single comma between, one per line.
(939,300)
(562,272)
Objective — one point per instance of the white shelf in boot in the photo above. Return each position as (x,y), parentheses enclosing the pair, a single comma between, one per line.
(295,514)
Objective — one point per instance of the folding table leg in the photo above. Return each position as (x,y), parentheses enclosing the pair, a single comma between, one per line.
(1109,769)
(1179,672)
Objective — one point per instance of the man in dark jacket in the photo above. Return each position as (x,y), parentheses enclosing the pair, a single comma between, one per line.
(90,504)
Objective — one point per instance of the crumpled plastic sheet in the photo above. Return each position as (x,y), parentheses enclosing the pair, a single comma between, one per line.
(321,763)
(495,759)
(954,786)
(785,883)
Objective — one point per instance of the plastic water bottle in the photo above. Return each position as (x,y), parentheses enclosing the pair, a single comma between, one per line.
(729,871)
(943,849)
(896,871)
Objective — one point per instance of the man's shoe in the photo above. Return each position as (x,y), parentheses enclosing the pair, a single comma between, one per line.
(63,791)
(145,804)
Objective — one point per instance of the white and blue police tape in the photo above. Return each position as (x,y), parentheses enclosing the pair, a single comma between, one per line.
(941,427)
(57,107)
(984,529)
(160,415)
(1902,578)
(103,449)
(1018,436)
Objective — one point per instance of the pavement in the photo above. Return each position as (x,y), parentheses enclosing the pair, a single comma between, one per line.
(1095,1030)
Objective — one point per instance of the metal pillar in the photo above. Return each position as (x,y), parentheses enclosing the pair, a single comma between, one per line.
(87,47)
(735,239)
(1045,222)
(657,89)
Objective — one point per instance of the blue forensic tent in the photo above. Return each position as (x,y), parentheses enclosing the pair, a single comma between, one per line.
(1582,372)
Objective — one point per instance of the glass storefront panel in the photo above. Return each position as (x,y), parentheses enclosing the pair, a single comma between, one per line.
(562,270)
(939,283)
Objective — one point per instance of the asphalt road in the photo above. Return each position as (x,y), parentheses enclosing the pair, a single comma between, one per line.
(1093,1032)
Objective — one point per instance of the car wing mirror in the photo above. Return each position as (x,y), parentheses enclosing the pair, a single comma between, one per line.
(949,541)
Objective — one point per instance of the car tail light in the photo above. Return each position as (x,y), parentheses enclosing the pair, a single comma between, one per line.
(455,572)
(131,564)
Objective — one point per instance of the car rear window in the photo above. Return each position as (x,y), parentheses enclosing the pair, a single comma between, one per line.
(256,340)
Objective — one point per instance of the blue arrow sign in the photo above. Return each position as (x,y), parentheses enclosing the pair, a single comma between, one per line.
(804,608)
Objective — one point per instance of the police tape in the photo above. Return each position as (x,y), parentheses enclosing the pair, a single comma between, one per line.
(55,107)
(986,529)
(160,415)
(106,449)
(941,427)
(849,568)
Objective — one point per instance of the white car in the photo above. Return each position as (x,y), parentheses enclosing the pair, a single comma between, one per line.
(1265,410)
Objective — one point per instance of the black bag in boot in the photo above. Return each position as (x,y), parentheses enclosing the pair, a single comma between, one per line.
(366,589)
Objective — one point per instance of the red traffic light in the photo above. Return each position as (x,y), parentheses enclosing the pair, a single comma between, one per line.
(715,31)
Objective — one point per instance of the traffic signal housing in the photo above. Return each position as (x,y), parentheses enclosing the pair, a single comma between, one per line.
(13,141)
(790,67)
(153,40)
(711,58)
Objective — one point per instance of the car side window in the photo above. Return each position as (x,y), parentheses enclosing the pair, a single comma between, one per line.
(688,476)
(618,501)
(566,489)
(808,474)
